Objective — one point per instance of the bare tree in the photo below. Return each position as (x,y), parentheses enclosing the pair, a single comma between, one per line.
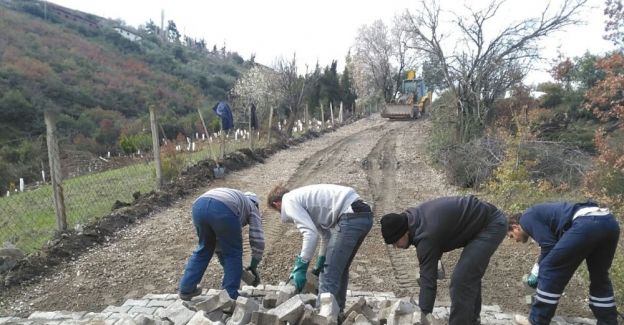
(373,52)
(405,57)
(478,69)
(291,88)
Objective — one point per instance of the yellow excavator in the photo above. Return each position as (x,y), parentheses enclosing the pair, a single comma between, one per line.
(412,101)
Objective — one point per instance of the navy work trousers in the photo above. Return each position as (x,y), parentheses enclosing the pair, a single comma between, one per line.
(590,238)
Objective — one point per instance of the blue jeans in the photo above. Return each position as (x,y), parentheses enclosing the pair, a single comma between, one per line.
(590,238)
(215,222)
(346,238)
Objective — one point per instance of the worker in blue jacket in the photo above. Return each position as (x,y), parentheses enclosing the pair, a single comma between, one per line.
(567,234)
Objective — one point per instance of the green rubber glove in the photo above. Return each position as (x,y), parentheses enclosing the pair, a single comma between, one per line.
(532,281)
(298,274)
(253,268)
(320,265)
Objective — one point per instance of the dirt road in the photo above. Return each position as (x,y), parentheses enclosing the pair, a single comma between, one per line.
(384,161)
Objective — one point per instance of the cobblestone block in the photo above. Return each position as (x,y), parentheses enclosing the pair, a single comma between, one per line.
(270,300)
(116,309)
(142,310)
(160,303)
(160,296)
(264,318)
(220,301)
(177,313)
(490,309)
(290,311)
(200,318)
(44,315)
(243,310)
(329,306)
(135,302)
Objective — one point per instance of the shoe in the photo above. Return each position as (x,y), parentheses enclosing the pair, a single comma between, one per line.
(190,295)
(521,320)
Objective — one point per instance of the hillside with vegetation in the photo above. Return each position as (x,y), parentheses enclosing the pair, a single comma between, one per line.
(100,76)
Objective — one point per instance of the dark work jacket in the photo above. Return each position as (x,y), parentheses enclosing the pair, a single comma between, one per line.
(439,226)
(546,222)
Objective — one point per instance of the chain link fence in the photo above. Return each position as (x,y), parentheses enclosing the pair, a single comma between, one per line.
(92,185)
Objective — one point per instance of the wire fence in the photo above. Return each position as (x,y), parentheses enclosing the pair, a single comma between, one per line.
(92,185)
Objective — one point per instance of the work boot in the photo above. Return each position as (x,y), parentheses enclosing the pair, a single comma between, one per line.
(521,320)
(190,295)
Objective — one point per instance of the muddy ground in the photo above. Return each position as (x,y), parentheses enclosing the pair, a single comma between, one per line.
(383,160)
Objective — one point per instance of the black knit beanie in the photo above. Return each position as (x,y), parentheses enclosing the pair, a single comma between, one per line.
(393,227)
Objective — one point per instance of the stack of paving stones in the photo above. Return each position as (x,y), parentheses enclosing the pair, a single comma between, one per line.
(266,305)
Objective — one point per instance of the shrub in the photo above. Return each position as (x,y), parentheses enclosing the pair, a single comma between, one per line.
(171,163)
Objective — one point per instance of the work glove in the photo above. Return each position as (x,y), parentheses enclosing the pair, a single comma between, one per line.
(531,279)
(253,268)
(298,274)
(320,265)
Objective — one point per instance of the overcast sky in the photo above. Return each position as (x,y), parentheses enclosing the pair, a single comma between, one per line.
(322,30)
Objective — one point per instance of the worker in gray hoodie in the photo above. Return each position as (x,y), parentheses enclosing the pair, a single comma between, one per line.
(338,217)
(219,216)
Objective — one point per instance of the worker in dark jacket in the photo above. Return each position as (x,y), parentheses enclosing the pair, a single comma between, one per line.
(442,225)
(567,234)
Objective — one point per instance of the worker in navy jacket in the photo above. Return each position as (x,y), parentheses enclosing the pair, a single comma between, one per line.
(567,234)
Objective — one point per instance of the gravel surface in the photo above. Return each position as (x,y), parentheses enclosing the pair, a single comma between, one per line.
(383,160)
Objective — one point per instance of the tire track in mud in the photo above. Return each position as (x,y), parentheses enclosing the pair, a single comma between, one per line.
(382,178)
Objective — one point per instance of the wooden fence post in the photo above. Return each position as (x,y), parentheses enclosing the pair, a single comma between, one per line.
(270,124)
(340,114)
(322,117)
(155,147)
(55,170)
(250,131)
(307,118)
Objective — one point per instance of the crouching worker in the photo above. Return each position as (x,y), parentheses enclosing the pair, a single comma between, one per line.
(567,234)
(442,225)
(219,216)
(339,217)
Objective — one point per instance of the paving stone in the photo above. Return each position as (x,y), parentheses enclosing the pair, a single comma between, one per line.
(243,310)
(264,318)
(177,313)
(270,300)
(44,315)
(580,320)
(220,301)
(135,302)
(285,292)
(160,296)
(200,319)
(116,309)
(489,308)
(4,320)
(142,310)
(96,316)
(160,303)
(329,306)
(290,311)
(501,316)
(354,305)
